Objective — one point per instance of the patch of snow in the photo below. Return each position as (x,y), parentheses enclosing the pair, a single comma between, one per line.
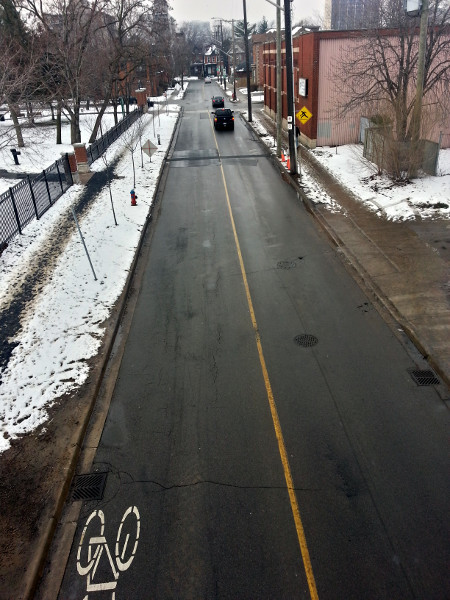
(65,326)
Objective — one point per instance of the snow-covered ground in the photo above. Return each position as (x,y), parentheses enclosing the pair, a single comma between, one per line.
(64,326)
(427,197)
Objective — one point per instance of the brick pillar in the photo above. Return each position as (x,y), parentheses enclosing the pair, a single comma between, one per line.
(72,162)
(72,165)
(81,157)
(141,97)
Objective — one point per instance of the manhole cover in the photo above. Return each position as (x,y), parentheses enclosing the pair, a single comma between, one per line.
(426,377)
(306,340)
(286,264)
(89,487)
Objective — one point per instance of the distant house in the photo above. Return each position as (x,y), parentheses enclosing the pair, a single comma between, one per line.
(197,65)
(211,61)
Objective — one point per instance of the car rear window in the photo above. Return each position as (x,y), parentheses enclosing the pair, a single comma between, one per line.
(223,112)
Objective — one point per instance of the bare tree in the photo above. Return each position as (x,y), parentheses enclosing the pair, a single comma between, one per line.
(119,46)
(378,73)
(132,140)
(18,64)
(182,54)
(69,25)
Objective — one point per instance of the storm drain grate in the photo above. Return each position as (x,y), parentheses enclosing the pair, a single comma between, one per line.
(306,340)
(89,487)
(426,377)
(286,264)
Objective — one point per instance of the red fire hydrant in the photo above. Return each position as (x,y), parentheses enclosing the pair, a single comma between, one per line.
(133,198)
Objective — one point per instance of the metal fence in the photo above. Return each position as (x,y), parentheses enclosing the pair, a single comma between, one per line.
(32,197)
(380,149)
(99,146)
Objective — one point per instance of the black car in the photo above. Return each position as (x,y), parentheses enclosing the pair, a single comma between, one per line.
(217,101)
(223,119)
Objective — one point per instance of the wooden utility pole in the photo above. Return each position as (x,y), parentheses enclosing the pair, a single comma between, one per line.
(249,66)
(417,113)
(278,68)
(290,86)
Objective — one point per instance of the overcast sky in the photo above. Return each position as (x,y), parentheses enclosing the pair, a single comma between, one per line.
(204,10)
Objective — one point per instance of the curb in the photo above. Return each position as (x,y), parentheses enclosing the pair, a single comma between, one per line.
(364,277)
(39,560)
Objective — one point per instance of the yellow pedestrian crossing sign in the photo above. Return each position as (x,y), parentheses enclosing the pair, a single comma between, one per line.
(303,115)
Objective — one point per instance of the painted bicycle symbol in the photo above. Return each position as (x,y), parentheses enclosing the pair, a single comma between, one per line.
(94,554)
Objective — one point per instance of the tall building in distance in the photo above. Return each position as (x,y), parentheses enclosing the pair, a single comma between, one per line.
(352,14)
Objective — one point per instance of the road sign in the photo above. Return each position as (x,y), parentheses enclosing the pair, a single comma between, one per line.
(303,115)
(149,148)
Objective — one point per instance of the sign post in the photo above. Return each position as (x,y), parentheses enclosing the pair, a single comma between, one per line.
(149,148)
(303,115)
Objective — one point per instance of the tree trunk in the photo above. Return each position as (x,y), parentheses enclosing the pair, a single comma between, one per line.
(17,126)
(58,123)
(98,121)
(75,133)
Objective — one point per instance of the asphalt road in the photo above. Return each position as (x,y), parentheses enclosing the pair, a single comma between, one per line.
(242,464)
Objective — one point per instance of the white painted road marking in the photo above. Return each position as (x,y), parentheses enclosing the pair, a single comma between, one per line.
(92,549)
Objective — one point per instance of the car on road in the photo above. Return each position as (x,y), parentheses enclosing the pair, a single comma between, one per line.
(223,119)
(218,102)
(207,79)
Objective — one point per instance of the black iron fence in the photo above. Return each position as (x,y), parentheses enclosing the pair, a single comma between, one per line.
(30,198)
(99,146)
(33,196)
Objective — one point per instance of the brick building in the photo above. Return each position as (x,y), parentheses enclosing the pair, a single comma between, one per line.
(315,55)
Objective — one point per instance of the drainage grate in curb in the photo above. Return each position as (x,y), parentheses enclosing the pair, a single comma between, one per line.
(426,377)
(286,264)
(306,340)
(89,487)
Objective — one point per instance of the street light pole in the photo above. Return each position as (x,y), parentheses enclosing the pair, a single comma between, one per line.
(247,60)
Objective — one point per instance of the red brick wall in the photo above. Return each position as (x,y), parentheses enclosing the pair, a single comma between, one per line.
(306,66)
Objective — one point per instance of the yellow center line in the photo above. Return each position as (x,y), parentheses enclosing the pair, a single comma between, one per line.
(273,407)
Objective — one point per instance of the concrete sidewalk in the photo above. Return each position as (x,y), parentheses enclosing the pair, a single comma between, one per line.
(405,265)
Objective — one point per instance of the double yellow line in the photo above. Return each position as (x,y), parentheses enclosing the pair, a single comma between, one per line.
(273,407)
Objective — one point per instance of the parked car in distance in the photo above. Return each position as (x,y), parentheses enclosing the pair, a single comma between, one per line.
(207,79)
(218,102)
(223,119)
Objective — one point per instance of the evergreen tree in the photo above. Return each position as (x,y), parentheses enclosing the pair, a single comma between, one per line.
(262,26)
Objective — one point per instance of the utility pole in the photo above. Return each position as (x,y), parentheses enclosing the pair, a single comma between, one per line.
(290,86)
(234,54)
(222,63)
(278,68)
(234,62)
(417,113)
(247,60)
